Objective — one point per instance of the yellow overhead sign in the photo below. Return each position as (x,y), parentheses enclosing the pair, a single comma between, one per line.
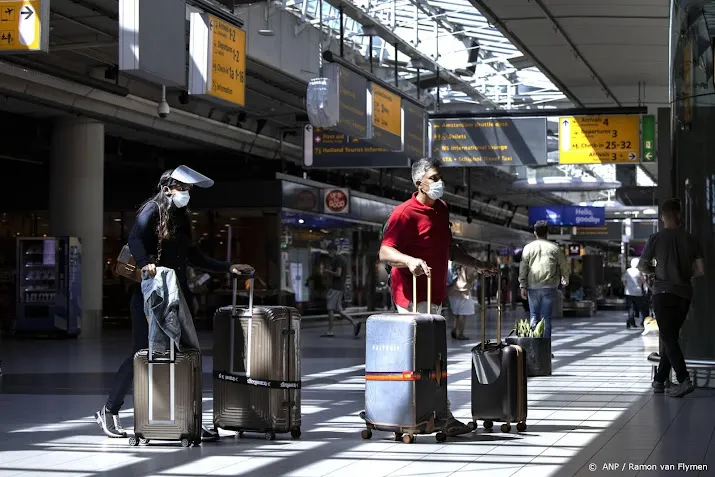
(228,62)
(386,110)
(599,139)
(20,26)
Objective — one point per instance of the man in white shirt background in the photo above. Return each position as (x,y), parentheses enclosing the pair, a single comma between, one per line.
(634,282)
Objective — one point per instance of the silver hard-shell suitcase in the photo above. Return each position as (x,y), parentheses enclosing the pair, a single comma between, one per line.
(405,373)
(256,370)
(167,397)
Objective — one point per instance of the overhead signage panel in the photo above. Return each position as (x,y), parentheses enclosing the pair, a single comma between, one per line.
(568,215)
(599,139)
(218,60)
(24,26)
(643,230)
(352,100)
(386,118)
(414,122)
(550,213)
(611,232)
(330,149)
(489,142)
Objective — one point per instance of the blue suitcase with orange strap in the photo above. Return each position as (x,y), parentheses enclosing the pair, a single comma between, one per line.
(405,374)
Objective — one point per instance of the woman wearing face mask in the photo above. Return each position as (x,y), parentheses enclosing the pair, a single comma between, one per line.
(163,219)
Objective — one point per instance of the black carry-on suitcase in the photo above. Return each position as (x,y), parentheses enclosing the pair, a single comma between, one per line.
(498,379)
(167,397)
(405,372)
(256,368)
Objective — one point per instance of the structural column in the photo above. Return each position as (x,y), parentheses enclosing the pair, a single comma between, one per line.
(77,205)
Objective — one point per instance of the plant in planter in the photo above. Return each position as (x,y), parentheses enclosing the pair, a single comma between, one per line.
(537,349)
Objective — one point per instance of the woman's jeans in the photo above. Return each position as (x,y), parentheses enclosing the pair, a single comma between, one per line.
(140,340)
(541,304)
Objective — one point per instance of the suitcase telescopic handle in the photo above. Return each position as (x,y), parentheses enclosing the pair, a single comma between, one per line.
(483,283)
(499,305)
(251,278)
(414,294)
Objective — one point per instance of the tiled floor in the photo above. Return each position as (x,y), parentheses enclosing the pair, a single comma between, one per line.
(597,409)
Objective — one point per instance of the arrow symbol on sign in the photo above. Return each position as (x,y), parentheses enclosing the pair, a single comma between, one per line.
(648,156)
(27,12)
(565,135)
(632,156)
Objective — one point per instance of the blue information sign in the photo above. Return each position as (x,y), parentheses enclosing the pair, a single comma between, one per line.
(568,215)
(550,213)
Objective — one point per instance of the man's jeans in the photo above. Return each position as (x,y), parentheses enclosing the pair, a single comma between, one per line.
(541,303)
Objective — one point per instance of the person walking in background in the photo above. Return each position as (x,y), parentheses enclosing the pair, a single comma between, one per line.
(336,272)
(543,264)
(678,259)
(634,282)
(460,299)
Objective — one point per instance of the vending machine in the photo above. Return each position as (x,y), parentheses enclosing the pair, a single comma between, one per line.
(49,280)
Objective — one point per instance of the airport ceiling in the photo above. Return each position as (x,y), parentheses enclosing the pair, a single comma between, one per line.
(84,35)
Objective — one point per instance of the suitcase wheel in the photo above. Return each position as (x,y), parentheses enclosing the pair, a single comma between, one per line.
(198,441)
(441,437)
(366,434)
(398,436)
(521,427)
(488,425)
(185,442)
(270,436)
(143,441)
(472,426)
(409,439)
(506,427)
(133,441)
(295,433)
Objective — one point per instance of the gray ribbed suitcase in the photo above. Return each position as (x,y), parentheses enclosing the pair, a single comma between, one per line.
(257,369)
(405,374)
(167,397)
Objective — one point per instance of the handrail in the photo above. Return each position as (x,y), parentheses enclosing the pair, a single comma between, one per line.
(697,363)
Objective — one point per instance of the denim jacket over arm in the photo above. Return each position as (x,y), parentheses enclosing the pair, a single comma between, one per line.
(169,316)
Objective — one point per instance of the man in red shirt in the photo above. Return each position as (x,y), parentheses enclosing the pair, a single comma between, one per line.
(418,240)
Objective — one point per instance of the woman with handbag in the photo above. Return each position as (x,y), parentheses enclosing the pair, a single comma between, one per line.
(161,236)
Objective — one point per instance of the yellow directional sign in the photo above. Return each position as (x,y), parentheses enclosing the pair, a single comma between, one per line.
(599,139)
(228,62)
(21,26)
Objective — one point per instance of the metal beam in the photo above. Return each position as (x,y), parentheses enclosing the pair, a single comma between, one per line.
(539,113)
(389,36)
(576,51)
(504,29)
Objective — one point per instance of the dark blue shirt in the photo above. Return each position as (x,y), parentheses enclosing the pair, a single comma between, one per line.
(178,250)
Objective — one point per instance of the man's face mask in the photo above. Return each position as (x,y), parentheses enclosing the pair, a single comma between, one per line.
(436,190)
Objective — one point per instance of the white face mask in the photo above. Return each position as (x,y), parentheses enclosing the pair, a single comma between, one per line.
(181,198)
(436,190)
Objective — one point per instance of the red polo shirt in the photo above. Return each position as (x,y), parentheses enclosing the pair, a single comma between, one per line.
(419,231)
